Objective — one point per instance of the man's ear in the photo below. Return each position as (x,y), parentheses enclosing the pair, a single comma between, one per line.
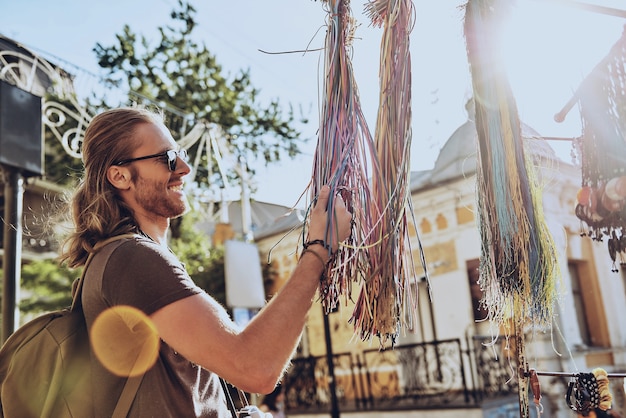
(119,177)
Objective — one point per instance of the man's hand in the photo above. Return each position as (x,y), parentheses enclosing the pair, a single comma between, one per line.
(341,220)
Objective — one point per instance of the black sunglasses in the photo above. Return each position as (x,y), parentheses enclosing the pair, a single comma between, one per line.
(171,155)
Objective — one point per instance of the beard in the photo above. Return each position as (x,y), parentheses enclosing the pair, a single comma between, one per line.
(154,197)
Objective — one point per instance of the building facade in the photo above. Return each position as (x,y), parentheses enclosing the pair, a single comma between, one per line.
(450,359)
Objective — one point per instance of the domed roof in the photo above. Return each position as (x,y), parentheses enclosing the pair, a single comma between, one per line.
(458,156)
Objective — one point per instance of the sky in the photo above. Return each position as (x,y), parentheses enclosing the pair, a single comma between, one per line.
(552,46)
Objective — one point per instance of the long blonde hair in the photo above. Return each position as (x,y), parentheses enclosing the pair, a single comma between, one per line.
(96,209)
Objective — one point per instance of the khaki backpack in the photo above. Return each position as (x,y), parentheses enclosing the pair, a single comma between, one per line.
(45,365)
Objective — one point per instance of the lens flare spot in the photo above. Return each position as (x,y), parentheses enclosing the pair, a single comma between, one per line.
(125,340)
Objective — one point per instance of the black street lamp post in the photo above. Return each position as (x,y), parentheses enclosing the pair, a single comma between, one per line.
(332,387)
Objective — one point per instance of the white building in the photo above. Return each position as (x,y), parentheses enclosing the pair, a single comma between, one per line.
(589,329)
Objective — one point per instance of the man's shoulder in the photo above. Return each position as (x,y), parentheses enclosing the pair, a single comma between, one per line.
(127,245)
(138,247)
(136,242)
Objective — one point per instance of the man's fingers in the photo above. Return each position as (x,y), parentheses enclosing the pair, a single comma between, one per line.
(342,218)
(322,197)
(340,203)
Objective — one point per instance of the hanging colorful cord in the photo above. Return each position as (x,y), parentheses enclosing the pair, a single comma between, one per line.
(518,265)
(344,146)
(386,302)
(379,251)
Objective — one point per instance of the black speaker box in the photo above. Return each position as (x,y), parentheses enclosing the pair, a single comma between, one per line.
(21,134)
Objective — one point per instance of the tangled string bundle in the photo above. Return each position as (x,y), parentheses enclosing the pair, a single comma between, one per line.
(518,263)
(386,300)
(344,146)
(378,253)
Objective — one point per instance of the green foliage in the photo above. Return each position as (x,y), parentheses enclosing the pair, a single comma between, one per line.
(184,74)
(46,286)
(204,262)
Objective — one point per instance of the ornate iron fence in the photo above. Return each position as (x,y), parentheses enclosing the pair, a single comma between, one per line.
(437,374)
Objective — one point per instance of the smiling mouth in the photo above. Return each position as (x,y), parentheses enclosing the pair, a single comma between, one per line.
(178,188)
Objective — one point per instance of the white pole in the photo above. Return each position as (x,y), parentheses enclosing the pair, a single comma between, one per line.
(224,208)
(246,211)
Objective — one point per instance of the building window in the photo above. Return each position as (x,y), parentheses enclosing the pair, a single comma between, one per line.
(588,306)
(480,313)
(579,304)
(464,214)
(442,222)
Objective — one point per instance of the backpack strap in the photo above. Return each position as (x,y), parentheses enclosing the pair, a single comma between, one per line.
(229,398)
(132,383)
(77,288)
(127,397)
(246,407)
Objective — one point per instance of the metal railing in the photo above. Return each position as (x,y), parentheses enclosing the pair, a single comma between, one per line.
(436,374)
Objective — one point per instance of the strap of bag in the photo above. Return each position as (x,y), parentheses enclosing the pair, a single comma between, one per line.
(132,383)
(229,399)
(130,387)
(76,300)
(127,396)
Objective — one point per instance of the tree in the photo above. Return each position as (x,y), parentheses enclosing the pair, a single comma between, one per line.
(203,262)
(47,286)
(185,76)
(183,73)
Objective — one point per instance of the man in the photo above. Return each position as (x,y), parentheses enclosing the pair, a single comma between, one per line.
(133,183)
